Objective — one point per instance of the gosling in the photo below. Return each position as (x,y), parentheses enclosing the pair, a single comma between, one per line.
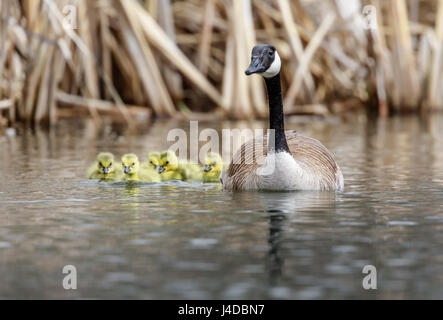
(133,171)
(213,167)
(169,167)
(190,170)
(104,168)
(153,160)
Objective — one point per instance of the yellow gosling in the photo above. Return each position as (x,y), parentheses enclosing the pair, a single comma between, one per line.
(104,168)
(169,167)
(134,172)
(190,170)
(153,160)
(213,167)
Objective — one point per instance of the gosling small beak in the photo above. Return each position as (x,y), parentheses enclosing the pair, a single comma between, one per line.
(255,66)
(161,169)
(208,168)
(127,169)
(105,170)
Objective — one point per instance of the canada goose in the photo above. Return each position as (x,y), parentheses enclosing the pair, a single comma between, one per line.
(133,171)
(287,160)
(213,167)
(104,168)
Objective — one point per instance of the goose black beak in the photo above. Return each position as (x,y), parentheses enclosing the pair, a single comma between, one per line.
(256,66)
(208,168)
(161,169)
(105,170)
(127,169)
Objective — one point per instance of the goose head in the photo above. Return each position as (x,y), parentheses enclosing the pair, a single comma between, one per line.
(265,61)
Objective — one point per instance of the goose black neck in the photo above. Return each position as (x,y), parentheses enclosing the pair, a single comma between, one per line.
(276,116)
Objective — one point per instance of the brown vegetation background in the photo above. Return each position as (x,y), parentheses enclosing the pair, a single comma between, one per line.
(186,58)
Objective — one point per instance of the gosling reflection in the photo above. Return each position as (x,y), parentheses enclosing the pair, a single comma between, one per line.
(131,194)
(131,190)
(132,200)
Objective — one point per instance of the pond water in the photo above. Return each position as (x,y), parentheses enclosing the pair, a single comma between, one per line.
(191,240)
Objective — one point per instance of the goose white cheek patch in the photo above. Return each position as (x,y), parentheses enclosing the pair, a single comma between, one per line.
(274,69)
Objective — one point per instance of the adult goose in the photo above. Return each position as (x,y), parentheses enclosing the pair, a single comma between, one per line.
(280,160)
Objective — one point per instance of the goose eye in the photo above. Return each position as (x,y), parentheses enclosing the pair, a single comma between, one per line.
(150,162)
(100,164)
(133,164)
(110,165)
(167,162)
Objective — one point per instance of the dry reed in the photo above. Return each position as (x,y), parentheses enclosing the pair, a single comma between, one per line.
(129,58)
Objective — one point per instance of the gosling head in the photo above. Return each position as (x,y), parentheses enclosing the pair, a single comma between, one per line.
(130,163)
(213,163)
(154,160)
(168,162)
(105,162)
(265,61)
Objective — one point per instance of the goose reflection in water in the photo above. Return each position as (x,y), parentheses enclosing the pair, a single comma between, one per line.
(284,210)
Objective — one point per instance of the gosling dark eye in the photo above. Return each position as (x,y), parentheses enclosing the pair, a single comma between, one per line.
(110,164)
(133,164)
(100,164)
(167,162)
(150,162)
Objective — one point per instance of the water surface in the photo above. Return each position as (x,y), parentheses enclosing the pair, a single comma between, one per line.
(191,240)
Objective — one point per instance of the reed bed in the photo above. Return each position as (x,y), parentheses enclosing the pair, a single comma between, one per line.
(186,58)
